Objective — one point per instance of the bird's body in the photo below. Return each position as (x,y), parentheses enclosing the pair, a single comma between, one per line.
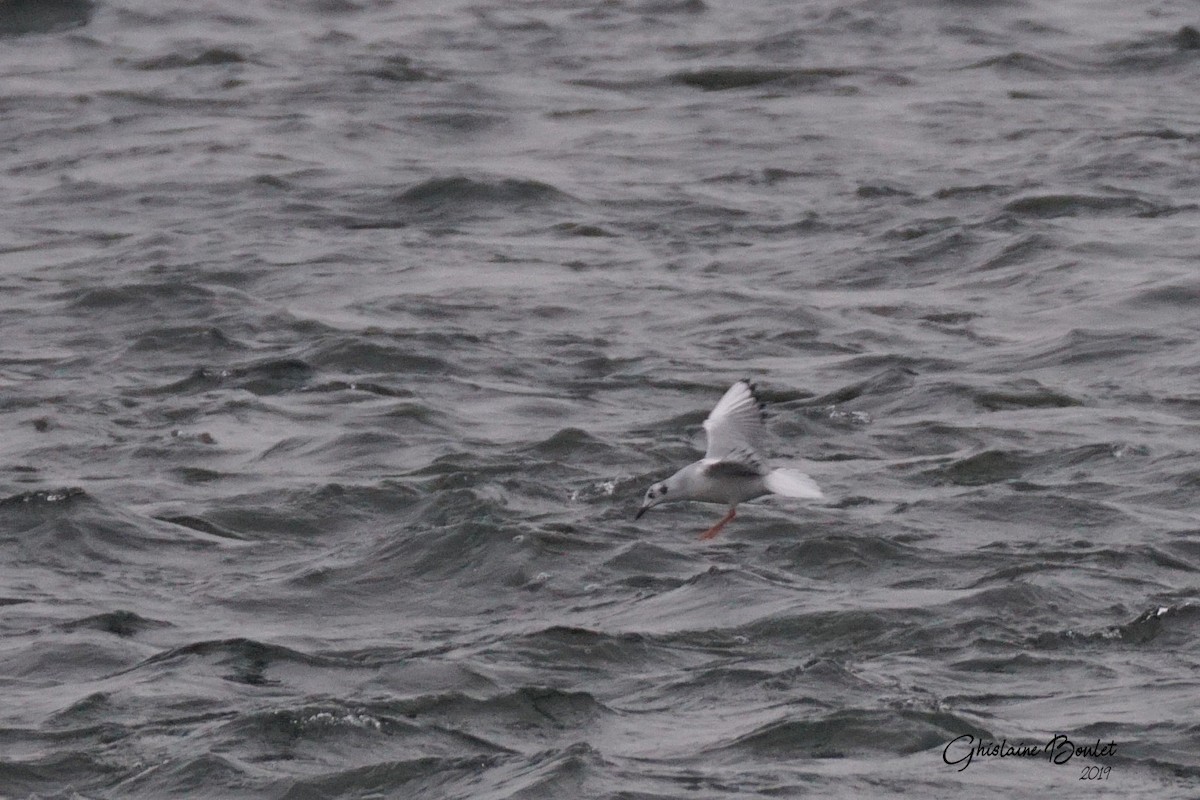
(733,469)
(712,481)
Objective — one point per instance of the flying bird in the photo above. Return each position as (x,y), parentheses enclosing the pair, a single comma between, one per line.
(733,469)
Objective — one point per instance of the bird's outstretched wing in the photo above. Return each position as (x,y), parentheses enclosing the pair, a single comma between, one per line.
(735,428)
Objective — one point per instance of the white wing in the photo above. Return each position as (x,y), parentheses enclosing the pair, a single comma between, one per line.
(735,427)
(793,483)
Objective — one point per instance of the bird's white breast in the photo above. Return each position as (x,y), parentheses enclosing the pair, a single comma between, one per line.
(726,489)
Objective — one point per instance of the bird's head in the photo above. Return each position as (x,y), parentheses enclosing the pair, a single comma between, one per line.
(658,493)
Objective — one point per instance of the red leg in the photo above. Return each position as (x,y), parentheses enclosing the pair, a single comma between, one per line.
(715,529)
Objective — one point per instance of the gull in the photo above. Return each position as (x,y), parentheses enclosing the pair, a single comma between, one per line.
(733,469)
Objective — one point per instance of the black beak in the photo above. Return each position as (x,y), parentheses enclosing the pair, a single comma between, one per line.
(641,511)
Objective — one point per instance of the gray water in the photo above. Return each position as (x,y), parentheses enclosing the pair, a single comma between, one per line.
(339,340)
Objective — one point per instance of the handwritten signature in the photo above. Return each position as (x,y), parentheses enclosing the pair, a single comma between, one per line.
(1059,750)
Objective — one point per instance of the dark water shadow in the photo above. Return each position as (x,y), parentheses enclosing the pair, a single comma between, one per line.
(23,17)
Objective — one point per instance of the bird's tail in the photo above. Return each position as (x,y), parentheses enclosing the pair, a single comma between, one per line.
(793,483)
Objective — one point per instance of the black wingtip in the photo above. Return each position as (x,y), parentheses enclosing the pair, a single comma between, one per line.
(762,405)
